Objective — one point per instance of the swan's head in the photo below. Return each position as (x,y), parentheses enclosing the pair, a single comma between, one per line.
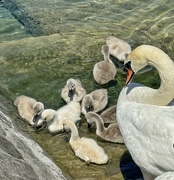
(46,115)
(91,117)
(135,61)
(88,105)
(38,108)
(71,84)
(67,124)
(105,50)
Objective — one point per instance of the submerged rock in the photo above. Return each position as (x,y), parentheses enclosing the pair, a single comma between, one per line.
(21,157)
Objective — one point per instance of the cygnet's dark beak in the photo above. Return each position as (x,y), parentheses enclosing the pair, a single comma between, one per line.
(36,118)
(89,108)
(71,94)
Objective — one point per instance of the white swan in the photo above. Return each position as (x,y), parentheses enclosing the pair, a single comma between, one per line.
(118,47)
(85,148)
(95,101)
(104,71)
(73,90)
(28,108)
(146,124)
(70,111)
(111,133)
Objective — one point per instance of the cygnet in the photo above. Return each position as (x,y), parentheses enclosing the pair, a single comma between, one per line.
(118,47)
(73,90)
(95,101)
(85,148)
(70,111)
(109,115)
(28,108)
(111,133)
(104,71)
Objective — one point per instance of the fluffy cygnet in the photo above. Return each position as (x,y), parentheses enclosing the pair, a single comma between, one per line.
(109,115)
(111,133)
(95,101)
(104,71)
(118,47)
(85,148)
(73,90)
(70,111)
(28,108)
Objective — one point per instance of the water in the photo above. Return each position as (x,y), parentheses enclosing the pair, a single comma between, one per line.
(39,66)
(10,28)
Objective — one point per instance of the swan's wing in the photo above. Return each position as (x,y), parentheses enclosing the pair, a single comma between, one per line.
(148,132)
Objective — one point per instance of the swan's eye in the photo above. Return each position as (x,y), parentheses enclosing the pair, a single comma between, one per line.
(127,66)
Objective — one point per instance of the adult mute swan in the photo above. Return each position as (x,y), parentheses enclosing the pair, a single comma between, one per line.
(104,71)
(145,122)
(111,133)
(28,108)
(73,90)
(85,148)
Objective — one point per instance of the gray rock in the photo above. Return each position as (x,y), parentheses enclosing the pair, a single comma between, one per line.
(22,158)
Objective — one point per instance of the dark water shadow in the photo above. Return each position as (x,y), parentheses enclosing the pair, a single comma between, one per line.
(129,169)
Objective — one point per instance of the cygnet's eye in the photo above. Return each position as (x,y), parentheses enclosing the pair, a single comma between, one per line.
(73,86)
(39,111)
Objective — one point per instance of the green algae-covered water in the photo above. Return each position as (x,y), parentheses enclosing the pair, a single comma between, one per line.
(56,40)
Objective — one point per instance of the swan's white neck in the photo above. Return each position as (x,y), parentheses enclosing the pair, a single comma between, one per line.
(165,67)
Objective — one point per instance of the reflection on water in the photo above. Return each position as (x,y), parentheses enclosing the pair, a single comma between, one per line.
(39,67)
(10,28)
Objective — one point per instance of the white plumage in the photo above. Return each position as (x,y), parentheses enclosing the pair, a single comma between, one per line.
(70,111)
(28,108)
(95,101)
(73,90)
(146,123)
(85,148)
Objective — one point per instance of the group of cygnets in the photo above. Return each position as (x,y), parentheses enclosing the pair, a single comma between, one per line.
(68,117)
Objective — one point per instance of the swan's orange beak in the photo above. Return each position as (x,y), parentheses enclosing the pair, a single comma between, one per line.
(130,75)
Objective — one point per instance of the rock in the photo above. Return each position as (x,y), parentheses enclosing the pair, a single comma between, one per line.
(20,157)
